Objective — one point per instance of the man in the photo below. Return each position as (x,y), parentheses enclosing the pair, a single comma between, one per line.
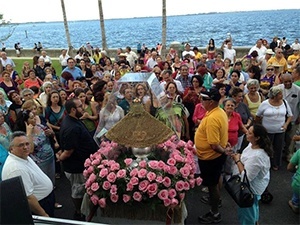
(228,51)
(279,59)
(263,61)
(187,51)
(63,59)
(291,60)
(296,75)
(77,144)
(126,102)
(259,47)
(296,44)
(291,93)
(38,187)
(185,78)
(151,62)
(167,78)
(5,60)
(40,69)
(131,56)
(47,59)
(73,69)
(211,141)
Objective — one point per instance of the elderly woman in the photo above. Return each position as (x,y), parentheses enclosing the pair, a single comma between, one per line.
(33,80)
(272,113)
(255,159)
(253,98)
(47,87)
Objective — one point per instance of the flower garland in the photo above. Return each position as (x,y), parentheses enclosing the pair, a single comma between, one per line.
(163,179)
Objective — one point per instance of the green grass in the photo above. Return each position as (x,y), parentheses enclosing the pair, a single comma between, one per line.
(19,63)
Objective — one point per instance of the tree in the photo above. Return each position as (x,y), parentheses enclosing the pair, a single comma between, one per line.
(102,27)
(70,47)
(164,29)
(11,29)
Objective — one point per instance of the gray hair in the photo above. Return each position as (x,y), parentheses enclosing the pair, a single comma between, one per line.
(252,82)
(26,90)
(15,135)
(274,91)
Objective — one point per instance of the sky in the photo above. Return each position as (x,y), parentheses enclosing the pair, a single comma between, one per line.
(21,11)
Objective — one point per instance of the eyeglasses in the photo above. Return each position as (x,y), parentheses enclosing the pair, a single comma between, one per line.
(157,73)
(270,69)
(22,145)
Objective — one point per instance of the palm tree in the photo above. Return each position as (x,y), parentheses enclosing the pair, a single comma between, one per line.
(70,47)
(164,28)
(103,36)
(4,37)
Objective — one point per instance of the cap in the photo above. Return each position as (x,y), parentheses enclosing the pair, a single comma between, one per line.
(269,52)
(122,55)
(212,94)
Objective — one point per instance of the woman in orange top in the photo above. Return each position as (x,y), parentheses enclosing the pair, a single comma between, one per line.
(33,80)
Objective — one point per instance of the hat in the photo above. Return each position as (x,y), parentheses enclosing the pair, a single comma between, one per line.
(269,52)
(213,94)
(276,65)
(122,55)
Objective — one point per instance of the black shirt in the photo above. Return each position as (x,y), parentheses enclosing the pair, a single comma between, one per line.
(74,135)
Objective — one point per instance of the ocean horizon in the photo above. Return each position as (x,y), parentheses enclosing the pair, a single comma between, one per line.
(245,28)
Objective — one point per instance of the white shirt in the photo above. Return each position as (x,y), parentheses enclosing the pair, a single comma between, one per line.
(229,53)
(191,53)
(47,59)
(261,51)
(35,181)
(63,59)
(257,165)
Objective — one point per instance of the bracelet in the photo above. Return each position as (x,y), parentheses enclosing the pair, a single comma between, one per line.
(236,162)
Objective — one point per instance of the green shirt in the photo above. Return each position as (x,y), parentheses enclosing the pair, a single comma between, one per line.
(295,160)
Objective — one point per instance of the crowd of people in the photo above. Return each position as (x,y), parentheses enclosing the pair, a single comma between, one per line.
(240,113)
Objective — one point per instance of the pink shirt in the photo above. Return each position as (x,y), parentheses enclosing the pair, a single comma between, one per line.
(199,112)
(234,125)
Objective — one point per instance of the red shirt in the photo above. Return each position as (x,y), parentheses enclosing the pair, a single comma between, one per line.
(234,125)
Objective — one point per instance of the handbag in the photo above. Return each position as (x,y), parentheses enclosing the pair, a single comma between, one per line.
(240,190)
(289,127)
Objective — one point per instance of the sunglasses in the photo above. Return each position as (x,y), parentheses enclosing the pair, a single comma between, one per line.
(270,69)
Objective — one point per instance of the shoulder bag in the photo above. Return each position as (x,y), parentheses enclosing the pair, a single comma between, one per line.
(240,190)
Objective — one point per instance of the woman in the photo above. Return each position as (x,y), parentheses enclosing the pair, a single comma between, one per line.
(90,115)
(15,107)
(255,159)
(227,67)
(33,80)
(4,105)
(211,49)
(95,72)
(13,74)
(242,109)
(41,150)
(176,65)
(253,98)
(234,81)
(218,64)
(8,84)
(272,113)
(235,125)
(141,93)
(47,87)
(267,80)
(191,99)
(109,115)
(63,96)
(25,70)
(28,94)
(5,132)
(173,114)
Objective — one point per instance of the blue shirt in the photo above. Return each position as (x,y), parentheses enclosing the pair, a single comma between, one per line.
(76,73)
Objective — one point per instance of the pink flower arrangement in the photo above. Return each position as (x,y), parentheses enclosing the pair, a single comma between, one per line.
(163,179)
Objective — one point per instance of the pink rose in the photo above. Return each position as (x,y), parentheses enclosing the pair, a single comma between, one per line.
(88,183)
(85,173)
(105,162)
(111,177)
(103,173)
(172,193)
(179,185)
(102,202)
(92,177)
(167,202)
(181,144)
(182,196)
(142,173)
(89,191)
(153,164)
(126,198)
(171,162)
(167,182)
(113,189)
(94,186)
(198,181)
(128,161)
(143,185)
(178,158)
(115,166)
(174,202)
(100,166)
(94,199)
(90,169)
(137,196)
(106,185)
(121,173)
(143,164)
(186,186)
(152,189)
(163,194)
(173,170)
(166,168)
(114,198)
(134,172)
(185,172)
(159,179)
(192,182)
(151,176)
(134,181)
(161,164)
(87,162)
(95,162)
(129,187)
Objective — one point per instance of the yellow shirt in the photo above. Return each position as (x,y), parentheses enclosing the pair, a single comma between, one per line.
(282,62)
(213,130)
(198,56)
(292,58)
